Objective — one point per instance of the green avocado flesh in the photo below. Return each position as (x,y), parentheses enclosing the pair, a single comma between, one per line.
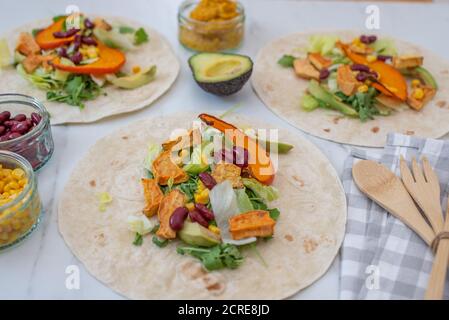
(134,81)
(222,74)
(196,235)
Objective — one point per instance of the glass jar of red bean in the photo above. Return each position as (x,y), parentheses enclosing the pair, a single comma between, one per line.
(25,128)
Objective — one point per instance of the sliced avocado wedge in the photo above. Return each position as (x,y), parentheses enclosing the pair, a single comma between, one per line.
(133,81)
(196,235)
(221,74)
(114,39)
(421,73)
(316,90)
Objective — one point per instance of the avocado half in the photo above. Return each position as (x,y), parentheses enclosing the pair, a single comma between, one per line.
(221,74)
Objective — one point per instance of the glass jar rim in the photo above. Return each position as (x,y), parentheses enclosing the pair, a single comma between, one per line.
(24,165)
(33,102)
(185,4)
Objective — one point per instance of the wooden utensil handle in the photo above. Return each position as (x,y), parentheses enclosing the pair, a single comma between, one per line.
(437,280)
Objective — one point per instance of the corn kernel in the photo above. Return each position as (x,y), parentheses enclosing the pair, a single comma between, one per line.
(18,173)
(22,182)
(202,197)
(371,58)
(418,94)
(190,206)
(416,83)
(92,52)
(200,186)
(136,69)
(362,88)
(214,229)
(13,185)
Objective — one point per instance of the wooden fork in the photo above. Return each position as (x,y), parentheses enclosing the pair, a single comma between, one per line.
(425,190)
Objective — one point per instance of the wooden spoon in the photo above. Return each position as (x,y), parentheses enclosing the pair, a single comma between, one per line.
(386,189)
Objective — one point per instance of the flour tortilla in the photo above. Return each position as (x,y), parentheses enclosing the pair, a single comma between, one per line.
(157,51)
(307,236)
(281,90)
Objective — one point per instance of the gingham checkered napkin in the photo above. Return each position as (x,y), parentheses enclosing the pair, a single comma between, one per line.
(381,257)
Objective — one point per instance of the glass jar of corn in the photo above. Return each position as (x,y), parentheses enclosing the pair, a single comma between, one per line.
(20,204)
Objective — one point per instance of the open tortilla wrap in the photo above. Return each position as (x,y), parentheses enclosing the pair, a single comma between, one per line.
(281,91)
(307,236)
(114,100)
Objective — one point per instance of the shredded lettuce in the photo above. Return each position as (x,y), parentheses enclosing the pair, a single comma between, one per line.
(196,164)
(243,201)
(267,193)
(384,46)
(324,44)
(104,198)
(140,224)
(39,78)
(152,153)
(224,204)
(5,54)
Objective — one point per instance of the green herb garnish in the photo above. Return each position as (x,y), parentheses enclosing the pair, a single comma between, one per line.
(363,103)
(138,239)
(59,17)
(140,36)
(76,90)
(126,29)
(161,243)
(286,61)
(221,256)
(274,213)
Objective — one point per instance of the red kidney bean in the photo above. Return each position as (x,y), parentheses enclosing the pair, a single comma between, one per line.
(208,181)
(62,52)
(89,24)
(178,217)
(2,130)
(20,117)
(66,34)
(14,135)
(384,58)
(77,57)
(362,76)
(359,67)
(20,127)
(36,118)
(89,41)
(197,217)
(9,123)
(324,73)
(368,39)
(4,116)
(206,213)
(240,156)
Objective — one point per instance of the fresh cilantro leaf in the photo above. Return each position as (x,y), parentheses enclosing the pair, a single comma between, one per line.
(286,61)
(76,90)
(126,29)
(215,258)
(161,243)
(274,213)
(34,32)
(140,36)
(59,17)
(138,239)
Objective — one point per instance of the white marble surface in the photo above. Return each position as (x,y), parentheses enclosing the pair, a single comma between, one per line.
(36,268)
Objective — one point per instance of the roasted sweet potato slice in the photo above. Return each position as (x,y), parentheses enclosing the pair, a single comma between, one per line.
(257,223)
(164,169)
(228,171)
(153,196)
(304,69)
(192,138)
(169,203)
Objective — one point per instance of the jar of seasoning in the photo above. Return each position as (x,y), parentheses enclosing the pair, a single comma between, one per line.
(211,26)
(20,204)
(25,128)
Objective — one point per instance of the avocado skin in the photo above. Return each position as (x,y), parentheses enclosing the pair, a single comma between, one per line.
(227,87)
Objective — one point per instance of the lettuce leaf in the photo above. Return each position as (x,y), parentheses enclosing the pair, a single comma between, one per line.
(243,201)
(152,153)
(324,44)
(196,164)
(224,204)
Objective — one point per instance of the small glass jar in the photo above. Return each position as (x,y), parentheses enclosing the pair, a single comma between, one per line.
(210,36)
(36,145)
(20,216)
